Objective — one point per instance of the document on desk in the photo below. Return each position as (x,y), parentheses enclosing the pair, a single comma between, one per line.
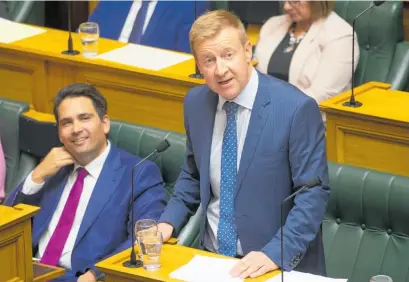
(206,269)
(144,57)
(296,276)
(11,31)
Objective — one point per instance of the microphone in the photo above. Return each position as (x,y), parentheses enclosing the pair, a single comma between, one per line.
(352,102)
(197,73)
(70,51)
(161,147)
(300,189)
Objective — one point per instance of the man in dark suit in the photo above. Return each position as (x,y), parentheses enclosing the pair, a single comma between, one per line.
(161,24)
(251,141)
(83,189)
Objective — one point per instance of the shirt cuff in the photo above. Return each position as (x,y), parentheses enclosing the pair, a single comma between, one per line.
(30,187)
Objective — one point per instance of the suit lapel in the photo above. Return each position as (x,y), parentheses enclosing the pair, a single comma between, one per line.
(109,178)
(303,51)
(259,116)
(157,16)
(209,110)
(49,203)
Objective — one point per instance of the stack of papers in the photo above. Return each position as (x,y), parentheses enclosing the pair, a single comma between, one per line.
(11,31)
(206,269)
(145,57)
(295,276)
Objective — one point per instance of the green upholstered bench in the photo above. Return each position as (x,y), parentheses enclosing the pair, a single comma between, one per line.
(366,227)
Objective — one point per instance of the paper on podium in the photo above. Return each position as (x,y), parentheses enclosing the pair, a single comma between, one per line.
(11,31)
(296,276)
(144,57)
(206,269)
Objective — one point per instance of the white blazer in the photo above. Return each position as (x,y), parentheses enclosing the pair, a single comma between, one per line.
(322,63)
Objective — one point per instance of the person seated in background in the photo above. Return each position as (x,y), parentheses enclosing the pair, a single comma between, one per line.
(83,189)
(161,24)
(310,47)
(2,173)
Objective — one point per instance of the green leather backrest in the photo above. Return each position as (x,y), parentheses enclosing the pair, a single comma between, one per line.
(141,141)
(18,164)
(28,11)
(366,227)
(379,32)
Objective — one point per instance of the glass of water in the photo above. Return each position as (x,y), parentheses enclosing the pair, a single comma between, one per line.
(381,278)
(151,245)
(89,34)
(143,225)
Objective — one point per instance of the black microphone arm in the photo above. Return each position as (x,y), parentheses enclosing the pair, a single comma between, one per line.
(161,147)
(314,182)
(197,73)
(352,102)
(70,51)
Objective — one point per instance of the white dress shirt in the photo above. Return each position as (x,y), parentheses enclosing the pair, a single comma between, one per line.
(245,101)
(130,20)
(94,169)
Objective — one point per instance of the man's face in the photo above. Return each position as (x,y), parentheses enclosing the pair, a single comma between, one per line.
(81,130)
(225,63)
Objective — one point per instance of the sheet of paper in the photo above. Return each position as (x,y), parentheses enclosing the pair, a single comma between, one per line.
(295,276)
(11,31)
(144,57)
(206,269)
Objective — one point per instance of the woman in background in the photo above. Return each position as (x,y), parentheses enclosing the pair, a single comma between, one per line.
(310,46)
(2,173)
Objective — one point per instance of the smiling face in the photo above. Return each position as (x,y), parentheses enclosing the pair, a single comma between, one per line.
(81,130)
(225,62)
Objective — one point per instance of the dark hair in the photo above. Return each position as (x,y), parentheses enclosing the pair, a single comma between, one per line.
(81,90)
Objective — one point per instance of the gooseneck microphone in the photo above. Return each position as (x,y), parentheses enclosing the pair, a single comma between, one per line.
(314,182)
(70,51)
(161,147)
(352,102)
(197,73)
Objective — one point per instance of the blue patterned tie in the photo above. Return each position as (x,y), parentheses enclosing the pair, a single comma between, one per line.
(136,34)
(226,232)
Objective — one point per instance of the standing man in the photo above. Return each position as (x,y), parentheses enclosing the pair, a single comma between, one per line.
(83,189)
(251,139)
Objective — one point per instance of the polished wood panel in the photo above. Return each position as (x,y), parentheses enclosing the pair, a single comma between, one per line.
(172,257)
(44,273)
(374,136)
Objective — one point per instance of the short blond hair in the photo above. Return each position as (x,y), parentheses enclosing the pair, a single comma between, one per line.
(211,23)
(321,9)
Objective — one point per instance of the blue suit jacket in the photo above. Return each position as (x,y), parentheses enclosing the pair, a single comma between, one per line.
(284,148)
(106,227)
(168,27)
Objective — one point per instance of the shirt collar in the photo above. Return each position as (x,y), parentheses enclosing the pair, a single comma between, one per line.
(247,96)
(94,167)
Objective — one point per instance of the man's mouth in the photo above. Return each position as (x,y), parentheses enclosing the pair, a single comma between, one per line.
(224,82)
(79,141)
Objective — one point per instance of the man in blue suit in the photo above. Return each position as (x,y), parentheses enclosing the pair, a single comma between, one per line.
(251,141)
(83,189)
(161,24)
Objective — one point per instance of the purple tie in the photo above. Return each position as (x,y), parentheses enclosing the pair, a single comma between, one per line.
(56,244)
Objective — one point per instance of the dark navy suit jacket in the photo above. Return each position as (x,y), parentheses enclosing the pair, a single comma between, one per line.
(106,227)
(168,27)
(284,148)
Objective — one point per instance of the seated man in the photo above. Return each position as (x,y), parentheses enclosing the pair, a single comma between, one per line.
(162,24)
(83,189)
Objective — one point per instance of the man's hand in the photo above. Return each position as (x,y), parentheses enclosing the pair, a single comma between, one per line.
(253,265)
(57,158)
(166,230)
(87,277)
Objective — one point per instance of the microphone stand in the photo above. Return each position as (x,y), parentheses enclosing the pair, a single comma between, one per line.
(197,73)
(70,51)
(352,102)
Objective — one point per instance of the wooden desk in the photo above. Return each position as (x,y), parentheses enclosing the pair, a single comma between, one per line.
(374,136)
(172,257)
(33,70)
(44,273)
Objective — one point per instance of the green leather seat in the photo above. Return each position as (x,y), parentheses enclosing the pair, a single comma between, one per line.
(141,141)
(384,56)
(366,227)
(18,163)
(29,11)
